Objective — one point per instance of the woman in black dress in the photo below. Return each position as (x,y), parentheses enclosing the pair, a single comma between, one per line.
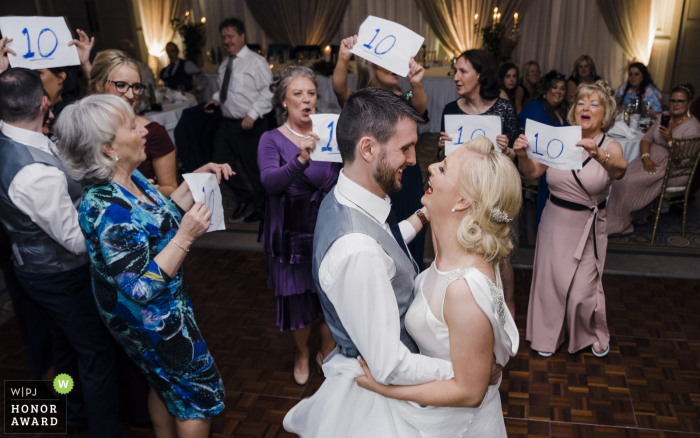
(478,87)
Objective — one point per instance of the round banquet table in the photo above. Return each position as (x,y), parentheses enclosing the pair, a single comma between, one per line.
(171,114)
(439,87)
(630,146)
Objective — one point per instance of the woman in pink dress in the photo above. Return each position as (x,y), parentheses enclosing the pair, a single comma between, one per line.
(566,296)
(645,175)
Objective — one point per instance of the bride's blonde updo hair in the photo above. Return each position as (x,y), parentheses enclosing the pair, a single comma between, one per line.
(491,181)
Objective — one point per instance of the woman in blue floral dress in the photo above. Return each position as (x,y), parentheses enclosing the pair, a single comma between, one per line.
(137,240)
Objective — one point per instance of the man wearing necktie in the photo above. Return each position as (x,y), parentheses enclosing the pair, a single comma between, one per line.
(244,99)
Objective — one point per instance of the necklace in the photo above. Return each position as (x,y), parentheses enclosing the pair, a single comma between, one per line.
(305,137)
(679,121)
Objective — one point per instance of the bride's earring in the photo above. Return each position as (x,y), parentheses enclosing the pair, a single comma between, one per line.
(453,210)
(116,158)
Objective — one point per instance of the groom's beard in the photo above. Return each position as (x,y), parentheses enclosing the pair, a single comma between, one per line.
(386,177)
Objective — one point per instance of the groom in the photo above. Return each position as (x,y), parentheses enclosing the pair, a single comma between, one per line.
(362,269)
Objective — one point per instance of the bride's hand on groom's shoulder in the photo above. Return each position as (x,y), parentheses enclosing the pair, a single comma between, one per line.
(367,381)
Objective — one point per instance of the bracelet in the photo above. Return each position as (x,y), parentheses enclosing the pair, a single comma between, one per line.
(645,156)
(421,216)
(181,247)
(607,157)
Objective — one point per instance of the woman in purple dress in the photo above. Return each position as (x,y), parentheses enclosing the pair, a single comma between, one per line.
(295,187)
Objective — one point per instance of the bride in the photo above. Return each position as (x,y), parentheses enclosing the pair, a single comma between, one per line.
(459,314)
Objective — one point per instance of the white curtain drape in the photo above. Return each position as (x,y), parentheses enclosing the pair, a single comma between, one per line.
(404,12)
(633,25)
(155,21)
(452,21)
(556,32)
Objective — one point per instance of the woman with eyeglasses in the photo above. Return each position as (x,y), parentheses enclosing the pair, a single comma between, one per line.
(113,72)
(645,173)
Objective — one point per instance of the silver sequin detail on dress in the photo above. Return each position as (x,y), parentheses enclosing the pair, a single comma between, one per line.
(496,293)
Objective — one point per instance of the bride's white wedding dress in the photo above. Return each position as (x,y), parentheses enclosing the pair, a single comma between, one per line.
(341,408)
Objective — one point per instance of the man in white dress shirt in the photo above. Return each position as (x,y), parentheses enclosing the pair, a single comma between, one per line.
(38,209)
(244,99)
(357,273)
(361,266)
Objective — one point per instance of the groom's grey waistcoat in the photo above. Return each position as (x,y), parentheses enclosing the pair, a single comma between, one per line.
(39,253)
(335,221)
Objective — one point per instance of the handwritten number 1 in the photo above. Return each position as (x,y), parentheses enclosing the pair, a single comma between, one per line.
(536,153)
(328,148)
(29,53)
(369,46)
(459,140)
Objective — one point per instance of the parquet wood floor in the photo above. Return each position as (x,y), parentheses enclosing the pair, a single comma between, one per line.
(647,387)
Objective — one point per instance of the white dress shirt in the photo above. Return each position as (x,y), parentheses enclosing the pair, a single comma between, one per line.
(249,90)
(41,192)
(356,275)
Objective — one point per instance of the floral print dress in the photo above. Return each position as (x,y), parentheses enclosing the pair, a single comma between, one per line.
(148,312)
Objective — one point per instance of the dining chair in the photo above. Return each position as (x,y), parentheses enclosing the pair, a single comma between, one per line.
(683,160)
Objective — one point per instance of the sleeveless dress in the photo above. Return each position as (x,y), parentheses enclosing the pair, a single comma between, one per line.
(341,408)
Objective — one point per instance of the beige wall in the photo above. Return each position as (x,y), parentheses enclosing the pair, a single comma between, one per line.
(687,59)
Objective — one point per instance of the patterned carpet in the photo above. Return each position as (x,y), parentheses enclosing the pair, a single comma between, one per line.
(648,386)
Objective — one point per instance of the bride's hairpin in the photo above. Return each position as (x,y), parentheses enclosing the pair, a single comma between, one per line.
(500,216)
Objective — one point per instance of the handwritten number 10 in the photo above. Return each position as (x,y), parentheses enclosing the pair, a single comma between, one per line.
(369,46)
(31,54)
(328,148)
(561,151)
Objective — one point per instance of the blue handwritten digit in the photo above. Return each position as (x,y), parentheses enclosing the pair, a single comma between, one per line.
(38,43)
(29,53)
(328,148)
(478,130)
(536,153)
(380,43)
(459,140)
(369,46)
(561,151)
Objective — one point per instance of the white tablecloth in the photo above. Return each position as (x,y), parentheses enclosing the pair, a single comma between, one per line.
(171,114)
(441,91)
(630,146)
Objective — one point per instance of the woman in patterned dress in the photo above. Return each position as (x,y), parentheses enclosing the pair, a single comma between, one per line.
(137,241)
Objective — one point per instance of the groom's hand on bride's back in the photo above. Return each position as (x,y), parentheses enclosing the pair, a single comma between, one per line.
(496,370)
